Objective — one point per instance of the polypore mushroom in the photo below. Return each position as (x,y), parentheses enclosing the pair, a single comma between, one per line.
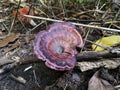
(57,46)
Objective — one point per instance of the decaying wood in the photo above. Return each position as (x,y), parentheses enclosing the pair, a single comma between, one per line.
(85,60)
(107,63)
(92,55)
(90,59)
(83,56)
(5,60)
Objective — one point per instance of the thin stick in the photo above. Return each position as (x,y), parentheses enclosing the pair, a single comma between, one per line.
(102,46)
(78,24)
(15,17)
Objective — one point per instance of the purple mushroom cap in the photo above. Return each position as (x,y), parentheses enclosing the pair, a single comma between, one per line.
(57,46)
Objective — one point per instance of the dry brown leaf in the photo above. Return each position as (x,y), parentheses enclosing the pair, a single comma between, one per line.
(12,37)
(15,45)
(97,83)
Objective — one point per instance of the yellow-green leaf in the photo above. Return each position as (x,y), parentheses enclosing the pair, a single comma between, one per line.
(106,41)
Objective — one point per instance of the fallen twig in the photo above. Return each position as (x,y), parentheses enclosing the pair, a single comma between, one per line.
(92,55)
(78,24)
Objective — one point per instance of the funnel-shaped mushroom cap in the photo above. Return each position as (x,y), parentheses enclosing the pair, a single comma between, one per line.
(57,46)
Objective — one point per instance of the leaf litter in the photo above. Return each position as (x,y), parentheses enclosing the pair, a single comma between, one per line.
(16,37)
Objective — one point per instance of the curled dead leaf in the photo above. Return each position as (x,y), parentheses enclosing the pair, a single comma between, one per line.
(97,83)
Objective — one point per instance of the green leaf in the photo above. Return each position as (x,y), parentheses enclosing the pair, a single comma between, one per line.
(80,1)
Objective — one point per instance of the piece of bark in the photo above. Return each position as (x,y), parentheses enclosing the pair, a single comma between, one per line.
(88,65)
(5,60)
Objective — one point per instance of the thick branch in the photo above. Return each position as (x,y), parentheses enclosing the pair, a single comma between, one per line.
(92,55)
(87,56)
(84,56)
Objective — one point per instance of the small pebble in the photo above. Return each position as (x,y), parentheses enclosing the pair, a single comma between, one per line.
(75,77)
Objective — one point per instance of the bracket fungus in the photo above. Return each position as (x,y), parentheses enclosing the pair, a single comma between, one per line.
(57,46)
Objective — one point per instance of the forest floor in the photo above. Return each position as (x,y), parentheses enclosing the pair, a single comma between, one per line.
(97,69)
